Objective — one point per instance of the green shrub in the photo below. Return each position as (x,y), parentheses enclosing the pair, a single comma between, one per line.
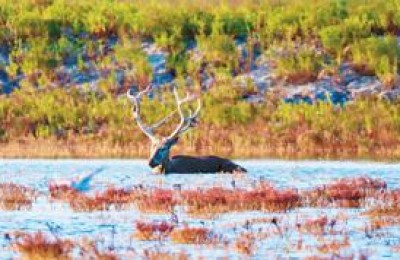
(299,66)
(379,54)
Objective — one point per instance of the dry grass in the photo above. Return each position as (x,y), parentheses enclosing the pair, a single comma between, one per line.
(301,77)
(53,148)
(16,197)
(225,144)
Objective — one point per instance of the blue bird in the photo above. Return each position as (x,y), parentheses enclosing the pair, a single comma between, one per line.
(83,184)
(79,183)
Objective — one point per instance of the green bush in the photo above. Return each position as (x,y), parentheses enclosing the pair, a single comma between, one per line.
(380,54)
(298,66)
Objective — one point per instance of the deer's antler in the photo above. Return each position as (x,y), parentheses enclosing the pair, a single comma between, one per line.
(135,99)
(186,122)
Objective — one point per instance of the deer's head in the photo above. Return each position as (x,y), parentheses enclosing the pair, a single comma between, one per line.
(161,146)
(159,154)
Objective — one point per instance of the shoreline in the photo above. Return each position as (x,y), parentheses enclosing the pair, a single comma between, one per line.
(50,149)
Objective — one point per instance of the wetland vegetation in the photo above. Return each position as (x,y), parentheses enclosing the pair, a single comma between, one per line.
(276,78)
(66,65)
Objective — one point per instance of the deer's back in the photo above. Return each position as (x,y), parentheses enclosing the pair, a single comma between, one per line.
(201,164)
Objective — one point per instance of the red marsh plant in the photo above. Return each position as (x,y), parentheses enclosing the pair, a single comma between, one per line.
(191,235)
(156,201)
(267,198)
(117,198)
(38,246)
(346,192)
(220,200)
(110,198)
(16,197)
(153,231)
(63,192)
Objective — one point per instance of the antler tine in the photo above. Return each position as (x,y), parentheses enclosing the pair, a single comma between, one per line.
(185,122)
(191,120)
(135,99)
(164,120)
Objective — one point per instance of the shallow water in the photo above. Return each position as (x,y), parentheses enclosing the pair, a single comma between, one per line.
(125,173)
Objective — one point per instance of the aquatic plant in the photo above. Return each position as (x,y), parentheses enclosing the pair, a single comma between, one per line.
(38,246)
(315,226)
(16,197)
(345,192)
(153,231)
(219,200)
(110,198)
(191,235)
(156,200)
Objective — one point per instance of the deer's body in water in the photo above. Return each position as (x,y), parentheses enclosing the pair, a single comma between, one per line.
(160,159)
(201,164)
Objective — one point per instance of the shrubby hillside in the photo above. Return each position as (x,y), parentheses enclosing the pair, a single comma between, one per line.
(277,78)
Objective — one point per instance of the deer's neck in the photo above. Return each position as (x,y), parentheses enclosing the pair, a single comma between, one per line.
(165,165)
(163,168)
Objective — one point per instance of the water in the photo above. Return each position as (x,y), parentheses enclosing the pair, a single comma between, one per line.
(125,173)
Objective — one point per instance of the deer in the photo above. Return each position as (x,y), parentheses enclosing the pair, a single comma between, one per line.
(160,160)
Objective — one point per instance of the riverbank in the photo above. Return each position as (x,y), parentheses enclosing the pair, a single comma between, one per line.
(53,149)
(61,124)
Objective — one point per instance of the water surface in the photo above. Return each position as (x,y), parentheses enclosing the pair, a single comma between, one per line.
(126,173)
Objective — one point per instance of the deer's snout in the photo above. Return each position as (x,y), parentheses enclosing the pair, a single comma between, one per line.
(153,164)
